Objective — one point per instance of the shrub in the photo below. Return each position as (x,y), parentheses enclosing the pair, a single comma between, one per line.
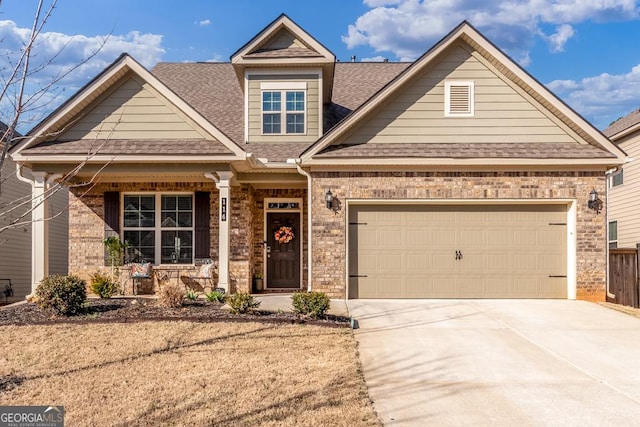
(215,296)
(313,304)
(171,294)
(103,286)
(62,294)
(242,303)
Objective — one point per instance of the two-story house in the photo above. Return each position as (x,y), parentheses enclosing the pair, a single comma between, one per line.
(457,175)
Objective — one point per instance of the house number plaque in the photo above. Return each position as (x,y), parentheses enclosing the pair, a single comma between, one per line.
(223,209)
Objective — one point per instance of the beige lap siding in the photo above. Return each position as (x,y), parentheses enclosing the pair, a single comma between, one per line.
(329,232)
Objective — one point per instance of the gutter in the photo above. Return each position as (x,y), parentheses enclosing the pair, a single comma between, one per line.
(309,222)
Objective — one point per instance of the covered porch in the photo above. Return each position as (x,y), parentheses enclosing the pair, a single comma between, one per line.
(250,224)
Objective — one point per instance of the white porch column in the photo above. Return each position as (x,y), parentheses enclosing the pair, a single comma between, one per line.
(39,230)
(224,218)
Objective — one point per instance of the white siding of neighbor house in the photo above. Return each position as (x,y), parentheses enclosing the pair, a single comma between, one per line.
(15,243)
(133,110)
(255,107)
(417,112)
(624,200)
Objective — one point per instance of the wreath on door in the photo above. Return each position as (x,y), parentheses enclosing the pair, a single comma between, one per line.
(284,235)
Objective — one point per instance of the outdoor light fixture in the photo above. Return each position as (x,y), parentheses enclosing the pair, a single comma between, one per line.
(328,197)
(594,202)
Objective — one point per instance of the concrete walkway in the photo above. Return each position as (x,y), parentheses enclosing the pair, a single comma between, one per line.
(499,363)
(275,302)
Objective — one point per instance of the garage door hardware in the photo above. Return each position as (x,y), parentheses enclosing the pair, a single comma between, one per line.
(358,275)
(562,277)
(458,255)
(358,223)
(557,223)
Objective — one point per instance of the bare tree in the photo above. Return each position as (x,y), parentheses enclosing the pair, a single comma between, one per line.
(22,97)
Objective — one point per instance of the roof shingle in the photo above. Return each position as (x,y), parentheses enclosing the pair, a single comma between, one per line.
(566,150)
(623,123)
(130,146)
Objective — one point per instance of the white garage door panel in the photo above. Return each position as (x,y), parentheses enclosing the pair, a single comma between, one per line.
(508,251)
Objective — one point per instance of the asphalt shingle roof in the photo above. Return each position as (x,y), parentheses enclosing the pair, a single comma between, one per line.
(623,123)
(131,146)
(566,150)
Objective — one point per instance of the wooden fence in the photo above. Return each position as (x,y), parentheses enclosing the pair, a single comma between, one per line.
(624,276)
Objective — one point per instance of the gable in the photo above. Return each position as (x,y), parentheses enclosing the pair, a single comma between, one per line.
(417,114)
(513,120)
(284,44)
(130,111)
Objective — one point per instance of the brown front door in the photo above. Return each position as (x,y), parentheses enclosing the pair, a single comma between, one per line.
(283,256)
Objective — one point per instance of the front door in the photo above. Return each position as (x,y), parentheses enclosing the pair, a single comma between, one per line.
(283,250)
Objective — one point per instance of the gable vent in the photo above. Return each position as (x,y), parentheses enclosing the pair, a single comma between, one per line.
(459,99)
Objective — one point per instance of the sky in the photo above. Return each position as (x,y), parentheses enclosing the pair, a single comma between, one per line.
(586,51)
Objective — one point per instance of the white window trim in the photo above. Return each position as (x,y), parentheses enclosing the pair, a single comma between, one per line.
(283,110)
(447,98)
(158,229)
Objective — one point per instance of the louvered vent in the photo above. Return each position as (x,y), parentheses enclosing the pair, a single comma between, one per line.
(459,99)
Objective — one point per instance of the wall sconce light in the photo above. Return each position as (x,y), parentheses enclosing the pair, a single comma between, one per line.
(594,202)
(328,197)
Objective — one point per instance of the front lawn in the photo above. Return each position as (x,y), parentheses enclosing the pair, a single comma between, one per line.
(185,373)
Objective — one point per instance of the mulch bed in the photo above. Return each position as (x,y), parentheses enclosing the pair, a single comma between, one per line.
(144,309)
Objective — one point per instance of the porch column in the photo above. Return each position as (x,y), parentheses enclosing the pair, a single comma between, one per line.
(39,230)
(224,218)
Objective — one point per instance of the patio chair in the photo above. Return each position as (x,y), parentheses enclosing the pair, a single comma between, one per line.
(139,271)
(207,272)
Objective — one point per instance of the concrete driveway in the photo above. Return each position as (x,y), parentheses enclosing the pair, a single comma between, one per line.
(499,362)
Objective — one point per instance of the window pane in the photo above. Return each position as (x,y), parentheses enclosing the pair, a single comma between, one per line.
(295,123)
(177,211)
(177,247)
(271,123)
(295,101)
(271,101)
(613,231)
(141,244)
(169,219)
(617,179)
(139,211)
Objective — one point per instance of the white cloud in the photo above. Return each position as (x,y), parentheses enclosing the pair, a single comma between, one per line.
(54,54)
(204,22)
(407,28)
(378,58)
(602,98)
(562,35)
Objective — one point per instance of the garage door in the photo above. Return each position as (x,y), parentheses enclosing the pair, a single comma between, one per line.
(461,251)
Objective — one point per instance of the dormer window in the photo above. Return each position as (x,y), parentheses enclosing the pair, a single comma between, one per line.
(283,108)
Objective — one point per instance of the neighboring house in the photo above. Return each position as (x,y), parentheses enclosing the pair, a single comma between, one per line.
(458,175)
(15,242)
(624,184)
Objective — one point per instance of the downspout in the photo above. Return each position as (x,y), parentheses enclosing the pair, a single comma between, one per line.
(309,225)
(607,175)
(22,177)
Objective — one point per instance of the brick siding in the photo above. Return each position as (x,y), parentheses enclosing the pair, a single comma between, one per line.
(329,228)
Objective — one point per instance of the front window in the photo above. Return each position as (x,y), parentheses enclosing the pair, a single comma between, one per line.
(159,227)
(273,113)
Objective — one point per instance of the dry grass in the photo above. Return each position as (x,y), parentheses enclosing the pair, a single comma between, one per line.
(182,373)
